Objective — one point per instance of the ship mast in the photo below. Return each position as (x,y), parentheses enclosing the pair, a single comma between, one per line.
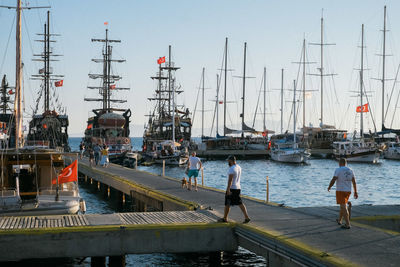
(5,99)
(202,104)
(294,113)
(225,76)
(244,87)
(362,82)
(265,99)
(108,79)
(18,75)
(383,67)
(282,101)
(18,82)
(321,68)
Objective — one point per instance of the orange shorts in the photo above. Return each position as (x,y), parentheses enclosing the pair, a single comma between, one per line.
(342,197)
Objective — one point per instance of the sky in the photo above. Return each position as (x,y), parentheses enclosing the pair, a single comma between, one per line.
(196,30)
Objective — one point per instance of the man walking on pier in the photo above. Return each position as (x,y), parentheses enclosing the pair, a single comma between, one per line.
(232,195)
(344,177)
(194,165)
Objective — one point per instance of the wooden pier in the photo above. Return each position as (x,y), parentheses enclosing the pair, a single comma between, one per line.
(240,154)
(284,236)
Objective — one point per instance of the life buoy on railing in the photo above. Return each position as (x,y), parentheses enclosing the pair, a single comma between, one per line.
(126,140)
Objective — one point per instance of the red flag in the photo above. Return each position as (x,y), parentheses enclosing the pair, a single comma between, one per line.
(90,126)
(220,102)
(161,60)
(106,23)
(363,108)
(68,174)
(112,86)
(59,83)
(10,92)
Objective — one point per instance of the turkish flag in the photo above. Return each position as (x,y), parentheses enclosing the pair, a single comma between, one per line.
(112,86)
(68,174)
(363,108)
(10,92)
(59,83)
(161,60)
(220,102)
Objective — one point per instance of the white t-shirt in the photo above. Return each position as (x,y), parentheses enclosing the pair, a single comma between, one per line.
(194,163)
(344,177)
(236,171)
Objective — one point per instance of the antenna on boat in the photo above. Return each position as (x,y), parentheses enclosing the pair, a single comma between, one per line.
(18,74)
(321,69)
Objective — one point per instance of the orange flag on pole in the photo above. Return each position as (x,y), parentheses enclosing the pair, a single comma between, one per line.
(68,174)
(363,108)
(161,60)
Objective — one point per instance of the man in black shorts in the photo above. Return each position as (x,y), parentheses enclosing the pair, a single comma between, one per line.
(232,195)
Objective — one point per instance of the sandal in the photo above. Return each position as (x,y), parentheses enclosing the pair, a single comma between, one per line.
(338,222)
(345,226)
(222,220)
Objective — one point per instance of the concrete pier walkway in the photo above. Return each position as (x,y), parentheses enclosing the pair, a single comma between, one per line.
(310,233)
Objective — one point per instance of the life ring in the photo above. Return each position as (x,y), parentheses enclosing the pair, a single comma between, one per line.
(126,140)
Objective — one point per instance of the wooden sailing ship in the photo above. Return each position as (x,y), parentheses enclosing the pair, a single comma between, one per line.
(7,120)
(30,175)
(110,125)
(167,135)
(50,127)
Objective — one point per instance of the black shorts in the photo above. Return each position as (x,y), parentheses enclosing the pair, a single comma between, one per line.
(234,198)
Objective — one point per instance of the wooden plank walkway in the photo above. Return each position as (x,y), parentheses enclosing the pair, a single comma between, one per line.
(99,235)
(309,232)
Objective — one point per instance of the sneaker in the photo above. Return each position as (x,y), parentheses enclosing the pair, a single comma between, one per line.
(246,220)
(222,220)
(345,226)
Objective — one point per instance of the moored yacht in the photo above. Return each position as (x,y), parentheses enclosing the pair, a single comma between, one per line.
(357,151)
(392,150)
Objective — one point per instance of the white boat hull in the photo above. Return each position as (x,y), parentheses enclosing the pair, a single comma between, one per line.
(291,157)
(42,208)
(175,161)
(362,157)
(392,154)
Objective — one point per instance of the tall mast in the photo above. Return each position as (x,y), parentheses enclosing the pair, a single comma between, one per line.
(244,87)
(304,83)
(173,96)
(217,106)
(18,82)
(383,67)
(322,74)
(282,101)
(225,76)
(265,99)
(361,82)
(294,113)
(202,104)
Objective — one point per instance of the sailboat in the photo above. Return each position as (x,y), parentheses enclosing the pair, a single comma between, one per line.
(109,126)
(286,150)
(50,128)
(320,139)
(362,149)
(30,183)
(168,132)
(7,122)
(246,142)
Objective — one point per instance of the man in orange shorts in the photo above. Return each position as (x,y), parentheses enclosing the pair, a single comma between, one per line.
(344,177)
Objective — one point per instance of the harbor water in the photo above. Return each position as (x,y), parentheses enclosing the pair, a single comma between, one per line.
(296,185)
(293,185)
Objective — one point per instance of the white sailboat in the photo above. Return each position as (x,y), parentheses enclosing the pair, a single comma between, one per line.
(360,150)
(288,151)
(392,151)
(30,182)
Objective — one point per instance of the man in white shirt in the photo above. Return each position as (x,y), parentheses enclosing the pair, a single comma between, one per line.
(344,178)
(194,165)
(232,195)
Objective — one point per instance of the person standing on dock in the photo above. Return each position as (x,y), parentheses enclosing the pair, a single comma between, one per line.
(97,152)
(344,178)
(91,156)
(232,195)
(194,165)
(104,157)
(81,149)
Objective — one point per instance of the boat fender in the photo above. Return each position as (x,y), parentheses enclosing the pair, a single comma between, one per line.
(82,205)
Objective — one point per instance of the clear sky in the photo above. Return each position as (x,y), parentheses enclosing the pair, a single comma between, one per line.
(273,30)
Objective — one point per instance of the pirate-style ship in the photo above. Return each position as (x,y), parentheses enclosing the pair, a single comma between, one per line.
(168,131)
(33,181)
(50,128)
(109,126)
(7,122)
